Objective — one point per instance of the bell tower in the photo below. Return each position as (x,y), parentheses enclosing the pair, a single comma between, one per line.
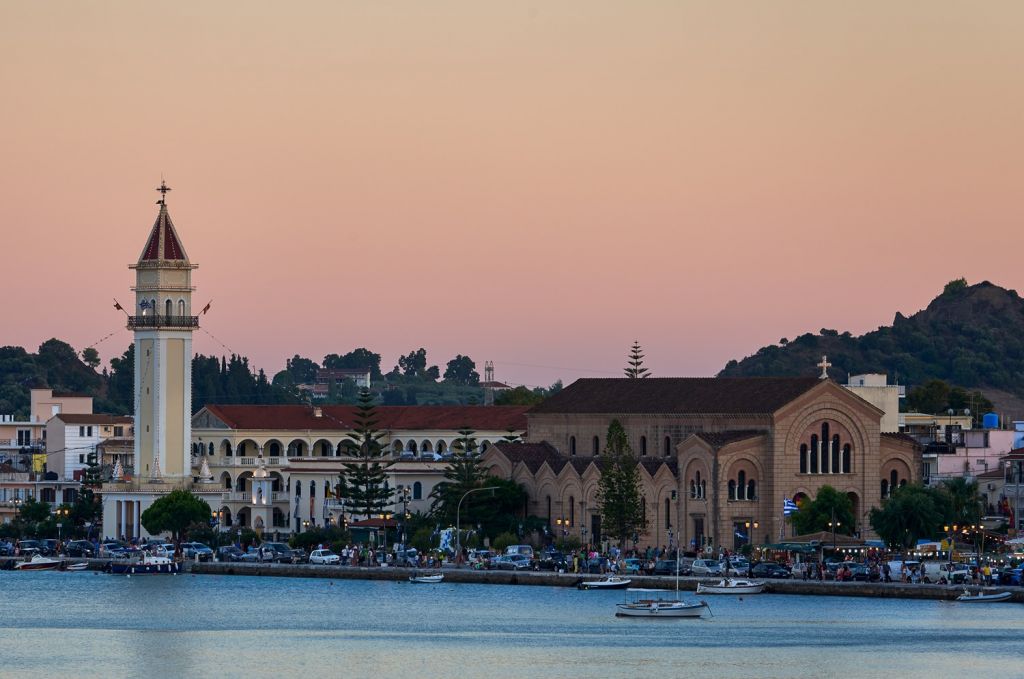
(163,325)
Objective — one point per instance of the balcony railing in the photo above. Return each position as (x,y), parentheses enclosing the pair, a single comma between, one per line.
(159,321)
(246,496)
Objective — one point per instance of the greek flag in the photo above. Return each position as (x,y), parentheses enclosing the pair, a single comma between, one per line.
(789,507)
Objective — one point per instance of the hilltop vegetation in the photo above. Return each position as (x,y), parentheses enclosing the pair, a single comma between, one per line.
(970,335)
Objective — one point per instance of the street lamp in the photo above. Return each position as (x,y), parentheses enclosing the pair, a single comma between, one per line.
(833,524)
(951,533)
(458,517)
(305,525)
(750,536)
(387,517)
(61,513)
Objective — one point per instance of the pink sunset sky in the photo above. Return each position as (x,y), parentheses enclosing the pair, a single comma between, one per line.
(536,184)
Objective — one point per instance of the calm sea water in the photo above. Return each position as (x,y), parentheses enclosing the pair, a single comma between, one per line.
(91,625)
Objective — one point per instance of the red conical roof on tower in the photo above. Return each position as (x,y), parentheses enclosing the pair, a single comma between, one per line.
(163,242)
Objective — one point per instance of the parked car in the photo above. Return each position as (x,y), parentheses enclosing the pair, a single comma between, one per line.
(705,567)
(324,556)
(277,552)
(407,558)
(551,561)
(668,567)
(737,564)
(6,548)
(229,553)
(955,573)
(49,547)
(1011,576)
(524,550)
(29,547)
(193,550)
(299,555)
(113,550)
(770,569)
(82,549)
(632,566)
(510,562)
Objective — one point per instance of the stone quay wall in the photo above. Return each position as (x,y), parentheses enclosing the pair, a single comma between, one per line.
(550,579)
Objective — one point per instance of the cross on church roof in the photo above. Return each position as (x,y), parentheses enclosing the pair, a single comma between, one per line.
(824,365)
(163,189)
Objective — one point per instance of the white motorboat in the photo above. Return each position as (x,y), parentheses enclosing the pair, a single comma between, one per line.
(981,598)
(152,563)
(610,582)
(732,586)
(38,562)
(427,579)
(661,608)
(80,566)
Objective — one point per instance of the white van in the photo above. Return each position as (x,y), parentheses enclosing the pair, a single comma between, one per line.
(523,550)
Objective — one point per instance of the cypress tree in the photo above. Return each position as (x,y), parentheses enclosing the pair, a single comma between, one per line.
(618,491)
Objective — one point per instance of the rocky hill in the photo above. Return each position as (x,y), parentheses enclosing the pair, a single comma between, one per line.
(970,335)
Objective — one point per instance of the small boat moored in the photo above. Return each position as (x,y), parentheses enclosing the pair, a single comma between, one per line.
(661,608)
(610,582)
(732,586)
(38,563)
(80,566)
(981,598)
(427,579)
(152,563)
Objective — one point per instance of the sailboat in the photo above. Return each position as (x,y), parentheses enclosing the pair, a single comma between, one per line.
(643,606)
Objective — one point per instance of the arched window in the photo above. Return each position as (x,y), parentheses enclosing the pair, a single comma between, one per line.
(549,509)
(803,458)
(169,306)
(885,489)
(298,488)
(693,489)
(741,485)
(903,482)
(417,491)
(312,489)
(814,453)
(751,490)
(668,513)
(181,307)
(411,447)
(572,511)
(643,508)
(847,459)
(596,445)
(152,305)
(227,483)
(327,488)
(893,480)
(836,452)
(211,448)
(703,489)
(643,446)
(572,445)
(824,448)
(732,489)
(668,446)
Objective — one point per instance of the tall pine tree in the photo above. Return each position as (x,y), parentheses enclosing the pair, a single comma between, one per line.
(464,473)
(363,477)
(618,491)
(635,366)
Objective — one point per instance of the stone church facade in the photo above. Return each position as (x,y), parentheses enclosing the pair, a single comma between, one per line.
(718,456)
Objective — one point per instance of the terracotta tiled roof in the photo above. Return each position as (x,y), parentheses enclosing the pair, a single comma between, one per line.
(720,439)
(533,455)
(72,418)
(163,242)
(900,436)
(394,418)
(731,395)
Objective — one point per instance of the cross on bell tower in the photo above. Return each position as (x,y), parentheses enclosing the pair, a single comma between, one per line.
(824,365)
(163,189)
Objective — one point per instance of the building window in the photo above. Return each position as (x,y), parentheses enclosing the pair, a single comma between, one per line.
(572,510)
(847,459)
(417,491)
(668,446)
(312,489)
(81,459)
(732,489)
(118,432)
(668,513)
(81,432)
(596,445)
(885,489)
(643,445)
(803,458)
(181,307)
(751,490)
(572,445)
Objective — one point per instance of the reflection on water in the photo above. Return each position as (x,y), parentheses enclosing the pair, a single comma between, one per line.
(88,625)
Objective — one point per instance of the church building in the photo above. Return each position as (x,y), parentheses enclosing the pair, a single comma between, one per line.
(718,456)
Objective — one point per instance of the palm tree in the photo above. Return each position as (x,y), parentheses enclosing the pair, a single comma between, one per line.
(965,502)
